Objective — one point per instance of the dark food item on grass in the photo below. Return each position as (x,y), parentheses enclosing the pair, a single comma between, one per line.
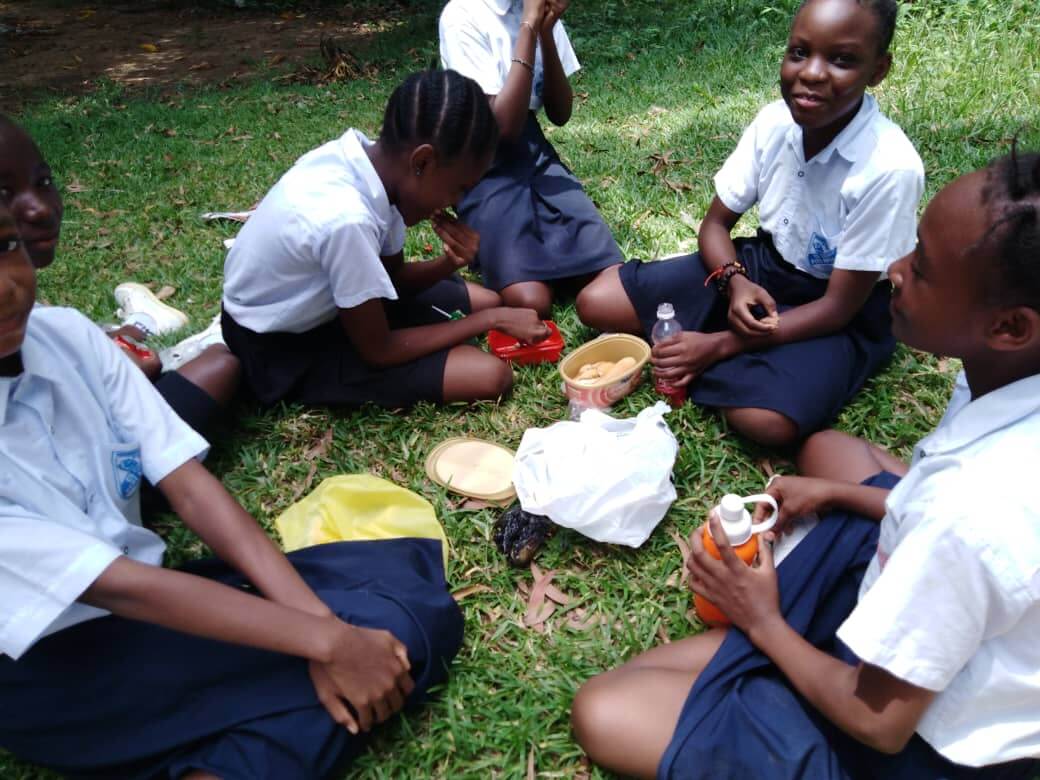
(519,534)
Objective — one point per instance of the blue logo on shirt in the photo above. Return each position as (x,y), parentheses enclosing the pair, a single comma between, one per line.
(126,469)
(820,251)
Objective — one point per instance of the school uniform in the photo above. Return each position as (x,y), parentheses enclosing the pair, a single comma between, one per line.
(535,221)
(851,207)
(312,247)
(948,600)
(91,694)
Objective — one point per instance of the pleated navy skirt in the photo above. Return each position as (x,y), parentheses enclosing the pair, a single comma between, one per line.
(116,698)
(321,366)
(535,221)
(742,719)
(808,381)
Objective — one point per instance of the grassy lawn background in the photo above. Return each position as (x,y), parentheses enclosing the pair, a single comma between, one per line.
(665,90)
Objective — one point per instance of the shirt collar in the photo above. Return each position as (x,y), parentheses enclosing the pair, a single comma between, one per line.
(36,362)
(849,143)
(973,420)
(353,144)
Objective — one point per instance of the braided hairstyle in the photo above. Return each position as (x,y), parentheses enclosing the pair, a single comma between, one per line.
(1012,193)
(885,11)
(442,108)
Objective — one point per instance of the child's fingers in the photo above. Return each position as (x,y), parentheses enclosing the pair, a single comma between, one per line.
(402,655)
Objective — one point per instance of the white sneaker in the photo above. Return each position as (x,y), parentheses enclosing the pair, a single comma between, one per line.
(190,348)
(138,306)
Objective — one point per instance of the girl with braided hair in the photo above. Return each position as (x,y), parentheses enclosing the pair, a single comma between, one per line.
(319,304)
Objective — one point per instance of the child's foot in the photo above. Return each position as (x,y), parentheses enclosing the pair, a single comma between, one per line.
(139,307)
(190,348)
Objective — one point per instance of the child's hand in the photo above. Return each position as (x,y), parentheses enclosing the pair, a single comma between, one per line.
(745,298)
(553,11)
(461,242)
(534,12)
(522,324)
(748,595)
(678,362)
(129,339)
(369,670)
(796,497)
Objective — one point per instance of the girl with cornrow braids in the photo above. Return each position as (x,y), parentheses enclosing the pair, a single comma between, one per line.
(319,304)
(540,228)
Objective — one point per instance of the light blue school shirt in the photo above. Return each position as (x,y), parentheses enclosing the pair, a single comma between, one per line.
(79,428)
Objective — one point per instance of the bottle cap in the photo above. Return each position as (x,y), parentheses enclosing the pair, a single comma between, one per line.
(665,311)
(735,520)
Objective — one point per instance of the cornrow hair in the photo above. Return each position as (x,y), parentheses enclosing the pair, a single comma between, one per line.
(885,11)
(1013,196)
(442,108)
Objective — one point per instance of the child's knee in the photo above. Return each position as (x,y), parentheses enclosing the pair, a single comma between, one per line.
(590,714)
(764,426)
(529,295)
(602,304)
(495,381)
(481,298)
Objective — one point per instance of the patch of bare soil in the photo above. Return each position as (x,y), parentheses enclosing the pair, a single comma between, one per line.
(49,47)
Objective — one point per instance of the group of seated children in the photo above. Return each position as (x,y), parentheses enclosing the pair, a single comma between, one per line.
(897,639)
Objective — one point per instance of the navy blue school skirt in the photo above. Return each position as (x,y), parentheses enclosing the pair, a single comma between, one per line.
(808,381)
(116,698)
(535,221)
(322,367)
(743,720)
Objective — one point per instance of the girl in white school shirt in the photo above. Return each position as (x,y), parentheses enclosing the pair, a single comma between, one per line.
(899,638)
(320,306)
(537,225)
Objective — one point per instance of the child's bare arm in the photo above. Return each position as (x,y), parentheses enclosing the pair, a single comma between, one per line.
(461,243)
(378,345)
(864,701)
(369,668)
(801,496)
(557,95)
(510,105)
(206,507)
(714,239)
(846,293)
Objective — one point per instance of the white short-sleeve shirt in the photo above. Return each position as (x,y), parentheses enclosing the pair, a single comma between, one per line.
(79,428)
(477,38)
(951,600)
(315,242)
(852,206)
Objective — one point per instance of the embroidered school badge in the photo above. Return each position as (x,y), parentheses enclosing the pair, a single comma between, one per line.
(820,251)
(126,469)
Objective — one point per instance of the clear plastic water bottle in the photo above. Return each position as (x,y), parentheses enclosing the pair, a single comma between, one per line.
(666,329)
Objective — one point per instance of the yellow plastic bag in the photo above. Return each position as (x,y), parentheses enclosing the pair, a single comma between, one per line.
(358,507)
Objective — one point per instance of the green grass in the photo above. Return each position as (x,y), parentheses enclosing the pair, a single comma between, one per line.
(659,77)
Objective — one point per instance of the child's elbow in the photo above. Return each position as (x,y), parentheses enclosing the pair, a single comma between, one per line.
(886,738)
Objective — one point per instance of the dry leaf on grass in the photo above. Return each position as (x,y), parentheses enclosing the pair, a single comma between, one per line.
(470,590)
(530,764)
(166,291)
(539,609)
(663,636)
(579,620)
(684,546)
(301,487)
(551,591)
(319,449)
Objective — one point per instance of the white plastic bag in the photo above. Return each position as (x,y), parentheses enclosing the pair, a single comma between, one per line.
(605,478)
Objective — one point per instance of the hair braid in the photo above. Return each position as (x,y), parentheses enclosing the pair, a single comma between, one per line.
(444,109)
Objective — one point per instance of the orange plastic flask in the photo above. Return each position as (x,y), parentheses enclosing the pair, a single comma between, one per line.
(743,538)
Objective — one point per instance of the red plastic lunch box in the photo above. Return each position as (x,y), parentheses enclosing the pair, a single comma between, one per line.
(508,348)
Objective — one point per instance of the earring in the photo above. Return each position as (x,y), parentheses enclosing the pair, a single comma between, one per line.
(418,171)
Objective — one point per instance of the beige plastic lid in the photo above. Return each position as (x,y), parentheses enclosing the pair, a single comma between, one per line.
(473,467)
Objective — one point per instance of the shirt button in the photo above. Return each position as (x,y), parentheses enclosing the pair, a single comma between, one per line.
(786,220)
(126,550)
(801,174)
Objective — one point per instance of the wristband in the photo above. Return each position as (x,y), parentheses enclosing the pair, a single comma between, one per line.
(525,63)
(723,274)
(529,26)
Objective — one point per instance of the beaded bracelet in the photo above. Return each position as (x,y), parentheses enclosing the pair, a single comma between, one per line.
(723,274)
(529,26)
(525,63)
